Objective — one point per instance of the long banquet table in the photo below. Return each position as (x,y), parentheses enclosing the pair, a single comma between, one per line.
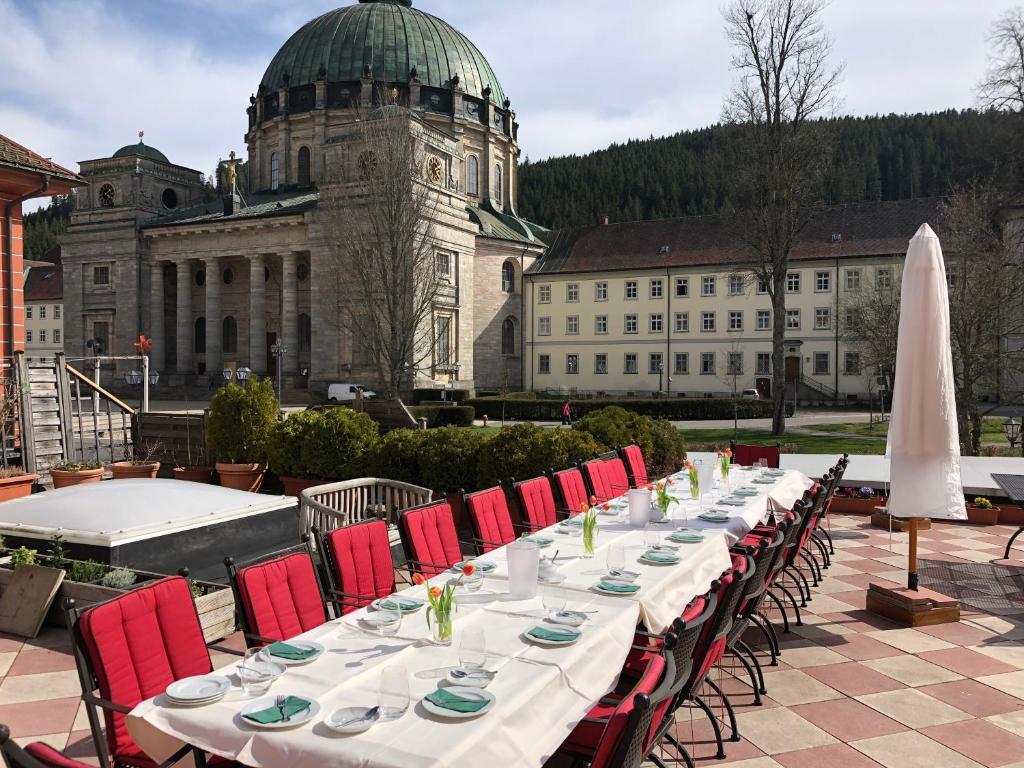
(541,692)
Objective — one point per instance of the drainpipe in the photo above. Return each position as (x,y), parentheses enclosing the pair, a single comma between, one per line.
(9,256)
(836,332)
(668,332)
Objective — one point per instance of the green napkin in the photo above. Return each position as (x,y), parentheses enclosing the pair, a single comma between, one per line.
(444,698)
(657,557)
(293,705)
(733,502)
(765,481)
(745,492)
(285,651)
(540,541)
(714,517)
(543,633)
(400,604)
(483,567)
(613,586)
(688,538)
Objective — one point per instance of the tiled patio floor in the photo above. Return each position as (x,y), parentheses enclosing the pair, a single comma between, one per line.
(851,689)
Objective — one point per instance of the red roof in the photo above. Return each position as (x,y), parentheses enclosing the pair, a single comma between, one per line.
(45,283)
(849,230)
(13,155)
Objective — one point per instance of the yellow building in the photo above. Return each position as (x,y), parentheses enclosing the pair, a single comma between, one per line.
(671,306)
(44,310)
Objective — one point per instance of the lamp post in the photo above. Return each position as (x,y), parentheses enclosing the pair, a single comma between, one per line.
(228,374)
(661,370)
(242,374)
(277,349)
(1011,429)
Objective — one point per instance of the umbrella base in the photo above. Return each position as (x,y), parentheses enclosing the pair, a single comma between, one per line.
(920,608)
(882,519)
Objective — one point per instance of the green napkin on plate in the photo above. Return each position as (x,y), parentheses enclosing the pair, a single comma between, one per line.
(293,705)
(765,481)
(543,633)
(746,492)
(540,541)
(445,699)
(733,502)
(285,651)
(613,586)
(391,604)
(657,557)
(714,518)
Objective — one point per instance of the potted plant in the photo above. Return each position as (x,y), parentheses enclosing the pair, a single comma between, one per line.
(138,463)
(15,482)
(71,473)
(284,451)
(198,469)
(982,511)
(856,501)
(238,429)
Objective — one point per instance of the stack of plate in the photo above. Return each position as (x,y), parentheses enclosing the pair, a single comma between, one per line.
(198,690)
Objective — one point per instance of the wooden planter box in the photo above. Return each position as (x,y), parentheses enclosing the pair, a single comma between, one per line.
(1011,514)
(853,505)
(881,519)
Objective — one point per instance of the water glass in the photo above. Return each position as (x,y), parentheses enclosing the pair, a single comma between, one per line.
(472,648)
(554,600)
(652,537)
(393,695)
(389,622)
(255,672)
(616,557)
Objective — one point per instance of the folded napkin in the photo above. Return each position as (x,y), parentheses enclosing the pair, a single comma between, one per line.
(285,651)
(445,699)
(293,705)
(543,633)
(540,541)
(745,492)
(658,557)
(714,517)
(612,586)
(775,472)
(765,480)
(733,502)
(392,604)
(686,538)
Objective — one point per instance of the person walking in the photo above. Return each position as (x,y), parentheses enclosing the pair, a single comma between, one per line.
(566,413)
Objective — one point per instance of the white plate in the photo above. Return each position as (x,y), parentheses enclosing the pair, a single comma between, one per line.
(568,618)
(377,619)
(643,559)
(714,518)
(268,701)
(551,578)
(301,645)
(344,715)
(477,678)
(466,693)
(378,604)
(542,543)
(597,588)
(541,641)
(201,689)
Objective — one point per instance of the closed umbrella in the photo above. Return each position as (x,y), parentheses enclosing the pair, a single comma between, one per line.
(923,444)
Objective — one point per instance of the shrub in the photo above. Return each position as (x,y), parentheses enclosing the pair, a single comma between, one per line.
(397,456)
(614,427)
(284,450)
(338,444)
(448,458)
(438,415)
(570,446)
(119,578)
(86,571)
(526,406)
(668,448)
(23,556)
(240,421)
(432,396)
(77,466)
(521,451)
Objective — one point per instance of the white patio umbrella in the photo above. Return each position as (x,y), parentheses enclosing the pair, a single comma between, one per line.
(923,444)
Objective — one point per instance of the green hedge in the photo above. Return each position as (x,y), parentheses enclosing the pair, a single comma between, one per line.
(438,415)
(432,396)
(528,409)
(339,444)
(286,440)
(614,427)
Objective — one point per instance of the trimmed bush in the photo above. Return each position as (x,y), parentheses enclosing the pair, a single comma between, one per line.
(570,446)
(614,427)
(448,458)
(438,415)
(339,444)
(526,406)
(397,456)
(284,451)
(240,421)
(668,448)
(521,451)
(434,396)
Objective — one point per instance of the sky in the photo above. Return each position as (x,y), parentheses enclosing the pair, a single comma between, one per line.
(82,77)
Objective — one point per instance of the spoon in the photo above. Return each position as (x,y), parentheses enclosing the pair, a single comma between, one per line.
(482,674)
(371,714)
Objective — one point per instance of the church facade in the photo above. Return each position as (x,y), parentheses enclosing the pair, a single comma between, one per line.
(246,280)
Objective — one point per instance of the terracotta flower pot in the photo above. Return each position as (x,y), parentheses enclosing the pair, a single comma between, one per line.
(132,470)
(855,505)
(16,487)
(242,477)
(294,486)
(980,516)
(63,478)
(197,474)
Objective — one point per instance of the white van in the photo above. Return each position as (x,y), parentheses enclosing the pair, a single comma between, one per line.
(342,393)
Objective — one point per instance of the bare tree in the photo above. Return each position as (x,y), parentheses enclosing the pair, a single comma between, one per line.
(1003,85)
(869,322)
(781,51)
(378,212)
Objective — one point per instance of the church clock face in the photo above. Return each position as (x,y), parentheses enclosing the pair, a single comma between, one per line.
(435,169)
(107,195)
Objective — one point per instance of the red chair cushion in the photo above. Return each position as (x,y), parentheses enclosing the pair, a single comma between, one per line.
(281,597)
(634,456)
(361,555)
(489,515)
(137,645)
(572,488)
(745,455)
(50,757)
(617,478)
(537,502)
(430,538)
(597,474)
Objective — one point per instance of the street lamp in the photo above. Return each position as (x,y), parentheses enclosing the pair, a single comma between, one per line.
(278,350)
(1011,429)
(243,374)
(154,377)
(227,373)
(133,378)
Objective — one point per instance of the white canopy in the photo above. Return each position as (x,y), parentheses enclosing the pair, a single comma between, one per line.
(924,444)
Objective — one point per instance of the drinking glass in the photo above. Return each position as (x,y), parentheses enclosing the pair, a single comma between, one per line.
(389,622)
(554,600)
(472,648)
(652,537)
(616,557)
(255,672)
(393,697)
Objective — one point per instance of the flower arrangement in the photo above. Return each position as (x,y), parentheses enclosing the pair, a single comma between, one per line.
(662,497)
(442,604)
(691,471)
(725,462)
(589,528)
(982,503)
(864,492)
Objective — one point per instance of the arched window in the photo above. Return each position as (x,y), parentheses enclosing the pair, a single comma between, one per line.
(303,169)
(199,343)
(497,182)
(472,175)
(305,334)
(229,336)
(275,172)
(508,336)
(508,277)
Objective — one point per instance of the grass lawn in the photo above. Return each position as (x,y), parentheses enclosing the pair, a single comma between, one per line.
(697,438)
(991,429)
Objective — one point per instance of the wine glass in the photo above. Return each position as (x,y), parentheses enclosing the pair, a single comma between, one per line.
(393,694)
(554,600)
(472,648)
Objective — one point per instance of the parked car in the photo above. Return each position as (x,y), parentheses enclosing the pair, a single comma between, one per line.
(751,394)
(346,392)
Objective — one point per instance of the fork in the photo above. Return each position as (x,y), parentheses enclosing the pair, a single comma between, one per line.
(280,702)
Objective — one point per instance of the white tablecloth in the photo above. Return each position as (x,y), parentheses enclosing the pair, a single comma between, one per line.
(541,692)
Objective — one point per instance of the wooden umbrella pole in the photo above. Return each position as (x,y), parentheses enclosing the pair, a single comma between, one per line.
(912,556)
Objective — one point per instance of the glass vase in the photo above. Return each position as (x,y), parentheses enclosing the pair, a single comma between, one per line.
(589,541)
(441,627)
(694,490)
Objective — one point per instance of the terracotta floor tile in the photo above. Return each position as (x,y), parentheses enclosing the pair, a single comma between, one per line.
(966,662)
(31,662)
(1007,651)
(859,647)
(793,686)
(913,708)
(781,730)
(41,687)
(80,745)
(40,717)
(1008,682)
(809,655)
(912,671)
(697,736)
(1010,721)
(854,679)
(909,640)
(9,642)
(980,741)
(911,750)
(958,633)
(855,597)
(847,719)
(974,698)
(831,756)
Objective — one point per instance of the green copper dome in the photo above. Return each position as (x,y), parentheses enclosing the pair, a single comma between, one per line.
(142,150)
(391,37)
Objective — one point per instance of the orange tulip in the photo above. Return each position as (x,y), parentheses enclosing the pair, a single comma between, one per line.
(606,506)
(593,500)
(435,592)
(418,578)
(583,506)
(728,452)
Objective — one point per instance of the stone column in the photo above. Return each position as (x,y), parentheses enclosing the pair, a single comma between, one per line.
(183,319)
(289,314)
(257,316)
(157,333)
(213,318)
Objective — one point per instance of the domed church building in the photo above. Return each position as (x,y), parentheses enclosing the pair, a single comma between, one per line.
(217,280)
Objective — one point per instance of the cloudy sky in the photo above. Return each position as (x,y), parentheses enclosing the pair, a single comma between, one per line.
(82,77)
